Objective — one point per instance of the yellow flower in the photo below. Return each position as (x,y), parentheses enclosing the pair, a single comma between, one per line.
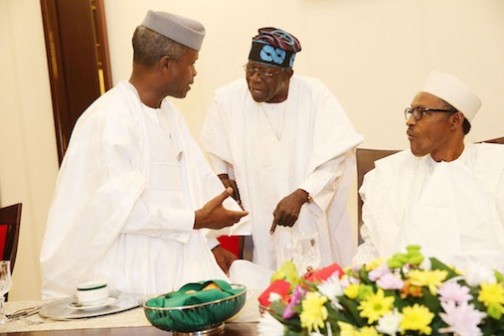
(376,305)
(491,293)
(418,318)
(431,279)
(352,291)
(374,264)
(368,331)
(314,312)
(347,329)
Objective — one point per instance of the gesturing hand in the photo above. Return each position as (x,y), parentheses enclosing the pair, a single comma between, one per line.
(287,210)
(215,216)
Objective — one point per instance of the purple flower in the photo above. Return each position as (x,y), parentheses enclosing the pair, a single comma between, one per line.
(390,281)
(453,292)
(378,272)
(462,319)
(294,301)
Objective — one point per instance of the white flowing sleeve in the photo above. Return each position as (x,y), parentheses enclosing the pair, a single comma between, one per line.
(167,223)
(366,252)
(218,165)
(323,182)
(215,139)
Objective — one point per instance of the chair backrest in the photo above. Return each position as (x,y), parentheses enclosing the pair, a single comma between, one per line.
(496,140)
(10,221)
(366,161)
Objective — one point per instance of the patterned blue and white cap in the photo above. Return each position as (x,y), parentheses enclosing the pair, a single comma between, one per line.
(274,46)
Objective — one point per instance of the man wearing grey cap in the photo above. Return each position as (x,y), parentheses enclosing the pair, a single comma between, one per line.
(442,194)
(134,192)
(288,144)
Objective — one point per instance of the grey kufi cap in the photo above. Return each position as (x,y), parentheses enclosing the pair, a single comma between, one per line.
(180,29)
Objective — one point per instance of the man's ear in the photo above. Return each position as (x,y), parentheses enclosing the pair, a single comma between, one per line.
(457,120)
(289,72)
(165,62)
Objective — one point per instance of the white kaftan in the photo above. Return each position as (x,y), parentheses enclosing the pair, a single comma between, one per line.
(123,209)
(453,210)
(271,150)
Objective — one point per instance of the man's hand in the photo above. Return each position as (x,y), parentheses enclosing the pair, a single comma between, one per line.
(287,210)
(214,216)
(224,258)
(228,183)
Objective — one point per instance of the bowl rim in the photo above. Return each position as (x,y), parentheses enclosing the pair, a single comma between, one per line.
(243,287)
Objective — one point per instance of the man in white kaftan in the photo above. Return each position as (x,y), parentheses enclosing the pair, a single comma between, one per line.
(125,209)
(289,146)
(443,195)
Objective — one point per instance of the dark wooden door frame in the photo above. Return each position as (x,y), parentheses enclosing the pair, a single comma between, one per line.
(78,60)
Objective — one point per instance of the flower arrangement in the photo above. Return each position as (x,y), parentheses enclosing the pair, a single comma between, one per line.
(406,294)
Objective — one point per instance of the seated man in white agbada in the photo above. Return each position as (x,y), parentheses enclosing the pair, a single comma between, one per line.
(442,193)
(135,195)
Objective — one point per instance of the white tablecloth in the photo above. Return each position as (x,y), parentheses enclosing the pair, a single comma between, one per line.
(130,318)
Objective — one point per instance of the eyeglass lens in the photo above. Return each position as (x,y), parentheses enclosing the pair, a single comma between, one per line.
(263,74)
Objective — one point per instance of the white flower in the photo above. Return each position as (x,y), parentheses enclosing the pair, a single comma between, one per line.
(426,264)
(478,273)
(332,289)
(389,323)
(348,280)
(269,326)
(274,297)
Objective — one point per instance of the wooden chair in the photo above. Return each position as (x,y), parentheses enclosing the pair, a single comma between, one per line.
(366,161)
(496,140)
(10,220)
(366,158)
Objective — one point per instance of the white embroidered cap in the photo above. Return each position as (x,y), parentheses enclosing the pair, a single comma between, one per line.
(180,29)
(453,91)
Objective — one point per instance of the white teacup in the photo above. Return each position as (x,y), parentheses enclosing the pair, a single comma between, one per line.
(92,293)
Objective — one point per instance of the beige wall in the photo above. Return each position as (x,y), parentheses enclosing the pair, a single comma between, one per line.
(374,54)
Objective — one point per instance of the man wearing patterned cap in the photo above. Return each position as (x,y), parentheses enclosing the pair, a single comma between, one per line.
(134,191)
(287,144)
(442,194)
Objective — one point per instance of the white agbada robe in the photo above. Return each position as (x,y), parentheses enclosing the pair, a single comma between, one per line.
(453,210)
(123,209)
(271,150)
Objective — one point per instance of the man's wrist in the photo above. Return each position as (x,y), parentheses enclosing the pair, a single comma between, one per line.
(308,197)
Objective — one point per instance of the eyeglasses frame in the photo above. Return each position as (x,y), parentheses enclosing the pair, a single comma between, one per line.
(418,112)
(261,73)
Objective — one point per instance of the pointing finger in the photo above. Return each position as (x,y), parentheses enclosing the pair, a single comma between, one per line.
(273,227)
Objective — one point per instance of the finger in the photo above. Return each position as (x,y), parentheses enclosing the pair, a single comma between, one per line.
(273,227)
(225,194)
(237,215)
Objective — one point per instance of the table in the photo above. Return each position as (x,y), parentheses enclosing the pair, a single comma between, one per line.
(231,329)
(130,323)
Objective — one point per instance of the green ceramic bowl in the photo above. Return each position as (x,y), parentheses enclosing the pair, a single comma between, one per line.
(199,317)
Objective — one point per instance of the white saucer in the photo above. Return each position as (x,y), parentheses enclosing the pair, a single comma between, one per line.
(78,306)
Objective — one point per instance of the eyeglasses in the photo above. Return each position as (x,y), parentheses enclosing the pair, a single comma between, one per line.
(418,112)
(250,70)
